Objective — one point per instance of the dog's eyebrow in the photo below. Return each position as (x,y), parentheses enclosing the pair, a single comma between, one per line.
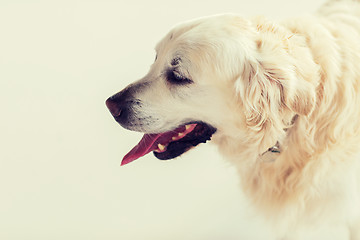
(175,61)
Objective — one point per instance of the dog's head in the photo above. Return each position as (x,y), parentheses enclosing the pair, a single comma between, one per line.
(214,75)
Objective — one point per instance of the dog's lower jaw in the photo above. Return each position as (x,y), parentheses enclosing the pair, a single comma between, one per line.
(238,151)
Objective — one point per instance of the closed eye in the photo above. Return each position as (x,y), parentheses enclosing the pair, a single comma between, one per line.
(175,77)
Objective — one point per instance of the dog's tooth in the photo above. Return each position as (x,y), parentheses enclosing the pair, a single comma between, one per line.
(174,138)
(161,147)
(181,134)
(187,127)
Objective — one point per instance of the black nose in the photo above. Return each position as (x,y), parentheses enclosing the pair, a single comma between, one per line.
(113,106)
(120,105)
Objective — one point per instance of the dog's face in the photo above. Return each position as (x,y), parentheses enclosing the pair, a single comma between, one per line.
(197,85)
(185,83)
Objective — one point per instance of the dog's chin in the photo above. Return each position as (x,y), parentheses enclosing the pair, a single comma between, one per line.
(201,133)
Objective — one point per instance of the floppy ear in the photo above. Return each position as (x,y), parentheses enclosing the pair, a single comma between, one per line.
(280,77)
(261,96)
(270,91)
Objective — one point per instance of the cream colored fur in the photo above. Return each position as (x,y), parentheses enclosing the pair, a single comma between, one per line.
(296,83)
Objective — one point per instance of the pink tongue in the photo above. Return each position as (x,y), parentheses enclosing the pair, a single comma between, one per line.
(146,145)
(149,142)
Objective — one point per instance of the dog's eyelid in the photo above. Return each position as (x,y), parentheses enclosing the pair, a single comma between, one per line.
(175,77)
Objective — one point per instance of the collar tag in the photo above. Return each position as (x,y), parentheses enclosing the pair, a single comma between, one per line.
(271,154)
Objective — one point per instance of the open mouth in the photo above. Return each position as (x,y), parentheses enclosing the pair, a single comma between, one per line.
(171,144)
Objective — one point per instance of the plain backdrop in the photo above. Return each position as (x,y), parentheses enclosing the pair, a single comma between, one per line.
(60,149)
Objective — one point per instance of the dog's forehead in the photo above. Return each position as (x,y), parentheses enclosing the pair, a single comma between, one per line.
(206,42)
(202,33)
(192,30)
(178,40)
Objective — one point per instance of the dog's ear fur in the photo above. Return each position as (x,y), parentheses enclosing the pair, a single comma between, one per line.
(280,79)
(269,92)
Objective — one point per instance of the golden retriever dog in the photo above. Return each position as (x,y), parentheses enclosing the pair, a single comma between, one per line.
(280,100)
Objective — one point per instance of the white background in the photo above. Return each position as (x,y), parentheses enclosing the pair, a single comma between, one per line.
(60,149)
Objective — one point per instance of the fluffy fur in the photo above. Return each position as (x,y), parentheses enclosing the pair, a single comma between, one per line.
(295,84)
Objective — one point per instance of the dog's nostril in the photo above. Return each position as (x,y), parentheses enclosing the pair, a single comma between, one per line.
(113,107)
